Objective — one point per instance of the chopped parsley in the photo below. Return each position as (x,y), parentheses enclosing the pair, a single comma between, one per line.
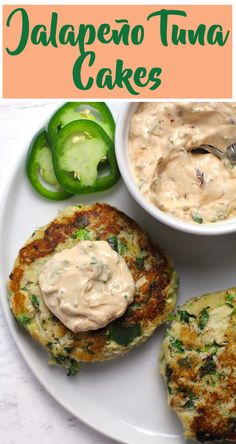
(60,359)
(208,367)
(71,365)
(185,362)
(212,348)
(24,288)
(73,369)
(177,344)
(198,219)
(187,393)
(113,242)
(180,390)
(203,318)
(229,299)
(23,320)
(189,404)
(171,317)
(35,301)
(82,234)
(233,312)
(139,263)
(185,316)
(117,245)
(122,334)
(122,248)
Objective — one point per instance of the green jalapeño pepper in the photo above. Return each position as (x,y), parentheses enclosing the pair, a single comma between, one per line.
(95,111)
(40,172)
(80,149)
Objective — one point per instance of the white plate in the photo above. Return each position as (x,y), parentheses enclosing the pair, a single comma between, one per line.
(124,398)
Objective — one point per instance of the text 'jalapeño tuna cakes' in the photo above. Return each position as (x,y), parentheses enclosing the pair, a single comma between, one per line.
(198,362)
(150,290)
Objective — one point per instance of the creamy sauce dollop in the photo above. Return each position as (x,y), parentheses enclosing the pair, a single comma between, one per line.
(87,286)
(192,187)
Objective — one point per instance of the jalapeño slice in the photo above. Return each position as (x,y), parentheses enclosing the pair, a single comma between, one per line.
(40,172)
(81,148)
(97,112)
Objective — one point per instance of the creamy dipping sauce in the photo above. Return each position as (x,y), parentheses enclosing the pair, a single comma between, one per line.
(192,187)
(87,286)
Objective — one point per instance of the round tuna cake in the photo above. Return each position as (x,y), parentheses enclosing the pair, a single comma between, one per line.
(153,273)
(198,362)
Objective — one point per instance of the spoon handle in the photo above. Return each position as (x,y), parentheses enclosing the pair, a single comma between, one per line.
(218,153)
(231,152)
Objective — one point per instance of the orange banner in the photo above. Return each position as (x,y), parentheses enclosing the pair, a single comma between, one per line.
(117,51)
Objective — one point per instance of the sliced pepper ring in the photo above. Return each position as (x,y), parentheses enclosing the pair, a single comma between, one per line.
(80,147)
(96,111)
(39,168)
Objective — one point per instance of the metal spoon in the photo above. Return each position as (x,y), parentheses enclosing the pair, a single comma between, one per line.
(229,154)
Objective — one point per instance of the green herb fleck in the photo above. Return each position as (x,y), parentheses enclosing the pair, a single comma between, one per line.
(203,318)
(212,381)
(122,248)
(208,367)
(117,245)
(82,234)
(60,359)
(124,335)
(113,242)
(213,347)
(187,393)
(23,320)
(68,349)
(171,317)
(139,263)
(35,301)
(181,390)
(185,362)
(229,299)
(73,369)
(233,312)
(185,316)
(177,344)
(191,394)
(198,219)
(189,404)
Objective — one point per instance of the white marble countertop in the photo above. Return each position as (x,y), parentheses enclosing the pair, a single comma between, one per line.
(28,414)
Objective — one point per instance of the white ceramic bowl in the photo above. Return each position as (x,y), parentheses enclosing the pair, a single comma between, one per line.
(121,145)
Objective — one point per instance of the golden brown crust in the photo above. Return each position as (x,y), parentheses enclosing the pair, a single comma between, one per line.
(198,362)
(157,278)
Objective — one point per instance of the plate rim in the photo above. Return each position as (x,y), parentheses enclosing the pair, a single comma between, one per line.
(134,436)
